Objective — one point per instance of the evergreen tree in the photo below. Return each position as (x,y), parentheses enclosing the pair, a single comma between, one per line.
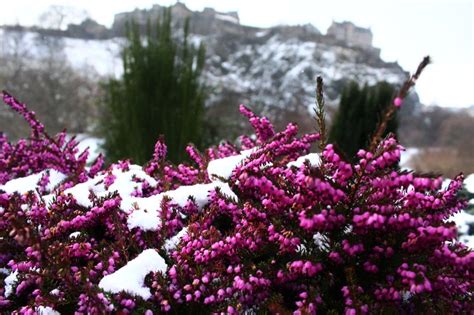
(360,109)
(159,94)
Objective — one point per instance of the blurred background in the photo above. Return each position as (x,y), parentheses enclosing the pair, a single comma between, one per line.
(75,64)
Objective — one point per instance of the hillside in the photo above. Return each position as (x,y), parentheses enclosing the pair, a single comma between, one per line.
(273,69)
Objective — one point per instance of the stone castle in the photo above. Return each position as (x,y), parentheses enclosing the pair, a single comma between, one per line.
(203,23)
(351,34)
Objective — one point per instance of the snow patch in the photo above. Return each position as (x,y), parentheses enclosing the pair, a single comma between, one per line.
(467,240)
(74,234)
(10,280)
(463,220)
(445,184)
(145,216)
(130,278)
(173,242)
(313,158)
(223,167)
(54,292)
(469,183)
(406,157)
(30,183)
(46,310)
(94,144)
(123,185)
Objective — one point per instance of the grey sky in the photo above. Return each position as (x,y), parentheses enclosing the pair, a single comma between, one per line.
(405,30)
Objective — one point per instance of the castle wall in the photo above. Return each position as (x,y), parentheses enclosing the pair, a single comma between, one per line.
(350,34)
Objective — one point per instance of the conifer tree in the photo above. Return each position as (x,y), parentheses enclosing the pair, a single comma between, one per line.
(159,94)
(359,112)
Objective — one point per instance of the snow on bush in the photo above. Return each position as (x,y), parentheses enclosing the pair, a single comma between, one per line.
(263,227)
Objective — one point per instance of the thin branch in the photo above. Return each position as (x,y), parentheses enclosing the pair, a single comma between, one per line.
(396,103)
(320,113)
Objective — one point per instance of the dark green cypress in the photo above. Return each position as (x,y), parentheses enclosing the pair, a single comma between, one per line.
(360,109)
(159,94)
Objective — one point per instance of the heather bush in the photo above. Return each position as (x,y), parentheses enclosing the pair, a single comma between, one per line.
(264,226)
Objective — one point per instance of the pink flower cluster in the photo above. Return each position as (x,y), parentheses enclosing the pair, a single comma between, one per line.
(41,151)
(296,238)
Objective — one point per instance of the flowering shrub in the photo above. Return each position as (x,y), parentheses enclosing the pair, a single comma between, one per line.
(263,227)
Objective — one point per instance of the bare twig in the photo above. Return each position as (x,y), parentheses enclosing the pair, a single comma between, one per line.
(320,114)
(396,102)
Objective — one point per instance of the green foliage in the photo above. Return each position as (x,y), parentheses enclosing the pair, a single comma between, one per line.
(158,94)
(359,112)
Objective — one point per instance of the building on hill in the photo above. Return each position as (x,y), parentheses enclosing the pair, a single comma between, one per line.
(88,29)
(207,22)
(351,34)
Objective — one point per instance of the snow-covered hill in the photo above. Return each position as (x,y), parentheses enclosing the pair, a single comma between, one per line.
(278,71)
(273,67)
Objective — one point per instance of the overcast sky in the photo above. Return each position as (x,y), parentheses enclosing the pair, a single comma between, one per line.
(405,30)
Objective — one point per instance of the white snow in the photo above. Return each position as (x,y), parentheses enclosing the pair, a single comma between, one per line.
(406,156)
(93,143)
(320,241)
(10,280)
(199,192)
(462,220)
(74,234)
(46,310)
(30,183)
(313,158)
(468,240)
(469,183)
(102,55)
(55,178)
(55,292)
(146,214)
(173,242)
(144,210)
(123,184)
(445,184)
(224,167)
(130,278)
(80,192)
